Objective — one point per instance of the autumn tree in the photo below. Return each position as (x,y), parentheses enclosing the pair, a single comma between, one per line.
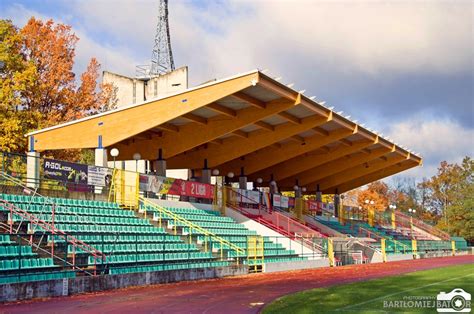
(39,88)
(378,193)
(17,76)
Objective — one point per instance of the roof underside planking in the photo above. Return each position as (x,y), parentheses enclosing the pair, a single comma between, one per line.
(248,121)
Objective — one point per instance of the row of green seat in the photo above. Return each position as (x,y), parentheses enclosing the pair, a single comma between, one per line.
(139,248)
(5,239)
(189,211)
(243,245)
(87,219)
(166,267)
(220,232)
(14,198)
(122,238)
(27,263)
(91,211)
(207,225)
(15,250)
(132,258)
(197,217)
(40,276)
(69,228)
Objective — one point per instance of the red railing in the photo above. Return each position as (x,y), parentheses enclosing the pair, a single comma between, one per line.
(369,233)
(421,225)
(49,227)
(281,223)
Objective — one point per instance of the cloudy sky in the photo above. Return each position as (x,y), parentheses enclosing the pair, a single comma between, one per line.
(402,68)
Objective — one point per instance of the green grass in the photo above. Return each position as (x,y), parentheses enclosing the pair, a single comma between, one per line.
(369,296)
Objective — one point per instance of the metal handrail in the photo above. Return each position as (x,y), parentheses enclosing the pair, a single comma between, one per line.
(44,224)
(276,227)
(191,225)
(422,225)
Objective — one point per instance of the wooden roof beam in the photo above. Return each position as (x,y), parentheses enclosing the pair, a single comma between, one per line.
(222,110)
(249,100)
(194,118)
(168,127)
(289,117)
(241,133)
(265,125)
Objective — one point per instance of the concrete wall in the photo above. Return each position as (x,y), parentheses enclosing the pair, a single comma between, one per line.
(265,231)
(167,84)
(294,265)
(124,87)
(54,288)
(131,90)
(324,229)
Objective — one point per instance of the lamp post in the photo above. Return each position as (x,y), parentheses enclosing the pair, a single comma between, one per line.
(412,212)
(392,207)
(136,157)
(370,211)
(259,182)
(230,175)
(114,152)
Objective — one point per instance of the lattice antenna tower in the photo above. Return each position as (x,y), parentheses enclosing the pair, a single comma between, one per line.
(162,56)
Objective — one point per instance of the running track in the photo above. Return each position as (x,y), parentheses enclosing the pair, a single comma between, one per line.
(244,294)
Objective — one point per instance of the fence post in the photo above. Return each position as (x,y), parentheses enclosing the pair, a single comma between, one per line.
(453,247)
(331,253)
(414,248)
(384,252)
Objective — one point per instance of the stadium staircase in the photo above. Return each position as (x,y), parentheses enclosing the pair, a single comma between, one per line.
(221,234)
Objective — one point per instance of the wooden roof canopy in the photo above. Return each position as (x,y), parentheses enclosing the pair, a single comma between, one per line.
(250,121)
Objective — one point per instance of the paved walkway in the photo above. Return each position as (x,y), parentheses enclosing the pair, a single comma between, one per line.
(244,294)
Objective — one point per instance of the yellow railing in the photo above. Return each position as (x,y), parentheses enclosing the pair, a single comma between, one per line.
(404,246)
(124,188)
(193,227)
(255,250)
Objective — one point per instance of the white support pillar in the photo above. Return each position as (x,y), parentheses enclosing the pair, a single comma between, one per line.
(100,160)
(33,169)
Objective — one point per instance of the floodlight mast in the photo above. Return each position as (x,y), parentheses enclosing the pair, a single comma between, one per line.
(162,56)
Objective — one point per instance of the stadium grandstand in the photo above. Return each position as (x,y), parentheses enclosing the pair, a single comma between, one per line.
(68,228)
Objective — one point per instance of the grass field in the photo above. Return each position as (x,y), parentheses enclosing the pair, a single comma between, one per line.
(371,296)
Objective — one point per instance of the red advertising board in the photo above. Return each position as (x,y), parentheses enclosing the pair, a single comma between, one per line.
(313,206)
(162,185)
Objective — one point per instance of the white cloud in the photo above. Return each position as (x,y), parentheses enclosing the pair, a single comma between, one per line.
(371,37)
(117,57)
(436,140)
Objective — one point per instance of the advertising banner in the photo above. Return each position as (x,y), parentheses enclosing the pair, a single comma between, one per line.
(65,171)
(247,196)
(162,185)
(314,206)
(266,200)
(291,202)
(284,201)
(277,200)
(99,176)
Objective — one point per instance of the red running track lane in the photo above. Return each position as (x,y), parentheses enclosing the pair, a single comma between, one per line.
(243,294)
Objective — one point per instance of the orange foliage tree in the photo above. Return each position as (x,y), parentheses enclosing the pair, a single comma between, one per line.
(376,192)
(50,93)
